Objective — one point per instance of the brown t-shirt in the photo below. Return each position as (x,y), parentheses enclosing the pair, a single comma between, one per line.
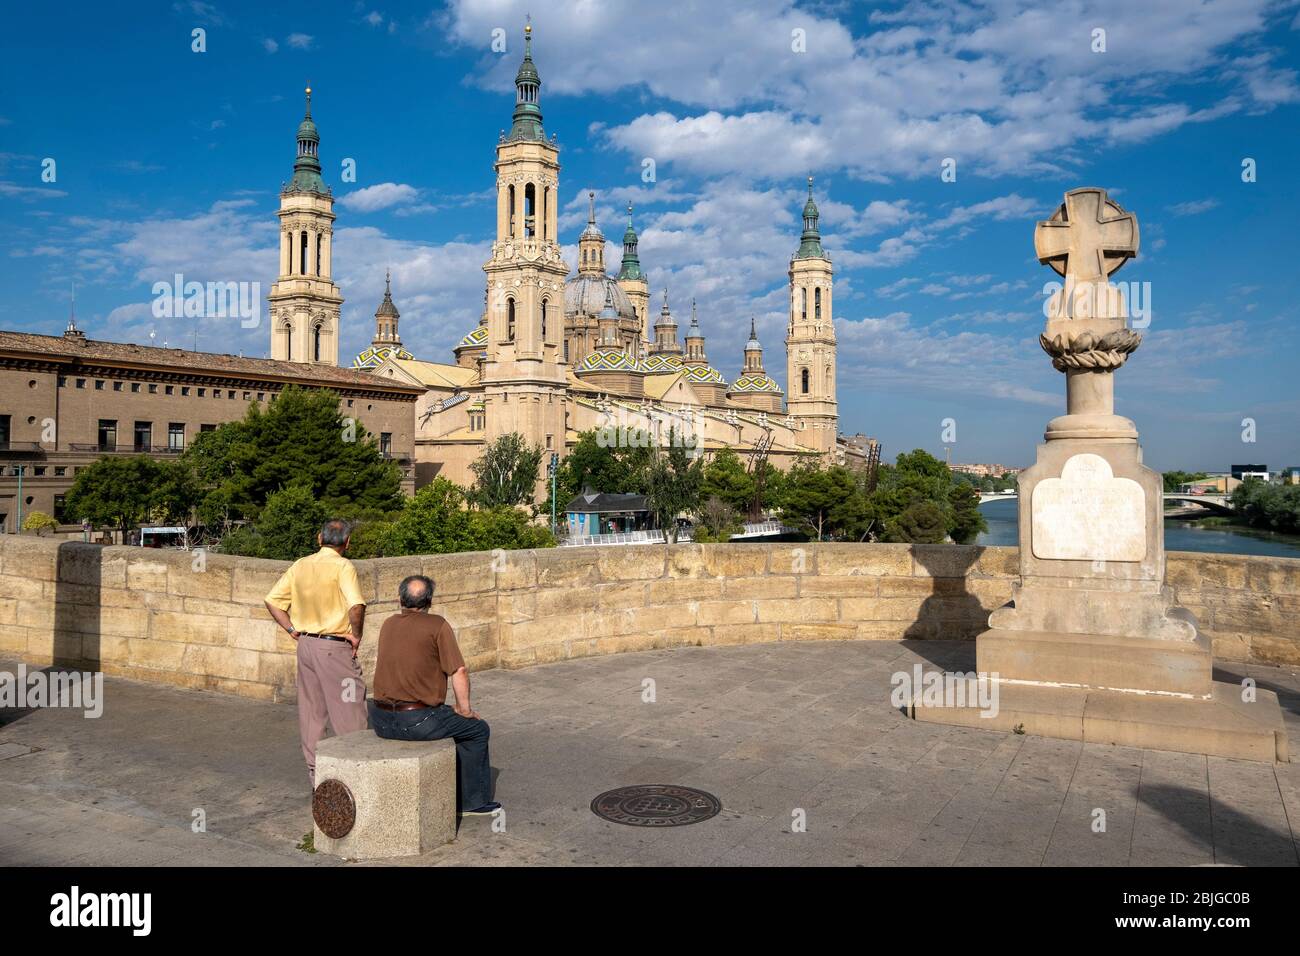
(417,652)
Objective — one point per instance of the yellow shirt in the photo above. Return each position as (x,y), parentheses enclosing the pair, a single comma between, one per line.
(317,591)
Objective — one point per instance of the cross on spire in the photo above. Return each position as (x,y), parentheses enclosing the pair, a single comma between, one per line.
(1088,238)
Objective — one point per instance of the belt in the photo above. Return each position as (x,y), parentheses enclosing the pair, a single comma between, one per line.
(326,637)
(400,705)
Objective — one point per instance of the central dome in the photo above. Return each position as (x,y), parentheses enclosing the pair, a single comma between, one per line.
(586,294)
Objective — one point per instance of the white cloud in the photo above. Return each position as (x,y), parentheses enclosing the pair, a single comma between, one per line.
(299,41)
(379,196)
(1193,207)
(270,46)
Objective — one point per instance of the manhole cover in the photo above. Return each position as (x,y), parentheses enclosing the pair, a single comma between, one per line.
(656,805)
(333,809)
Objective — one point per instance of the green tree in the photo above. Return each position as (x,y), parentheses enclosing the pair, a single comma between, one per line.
(287,527)
(126,492)
(506,473)
(672,478)
(300,438)
(1174,480)
(717,521)
(816,499)
(922,522)
(967,521)
(724,477)
(1268,506)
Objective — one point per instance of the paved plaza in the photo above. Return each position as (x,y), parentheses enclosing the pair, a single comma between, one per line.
(782,734)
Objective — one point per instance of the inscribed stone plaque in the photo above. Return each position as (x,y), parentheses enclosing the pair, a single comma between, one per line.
(1088,514)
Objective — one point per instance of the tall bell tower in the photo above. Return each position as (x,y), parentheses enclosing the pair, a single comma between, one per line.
(524,375)
(304,301)
(810,339)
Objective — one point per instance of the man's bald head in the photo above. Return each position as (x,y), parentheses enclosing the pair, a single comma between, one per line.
(415,592)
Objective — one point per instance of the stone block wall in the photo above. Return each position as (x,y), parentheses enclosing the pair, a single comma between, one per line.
(198,621)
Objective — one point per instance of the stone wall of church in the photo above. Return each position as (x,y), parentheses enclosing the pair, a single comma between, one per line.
(191,621)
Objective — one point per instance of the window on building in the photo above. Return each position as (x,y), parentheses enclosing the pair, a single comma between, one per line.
(39,471)
(81,383)
(99,384)
(803,304)
(318,253)
(302,268)
(817,304)
(107,434)
(170,389)
(510,320)
(117,386)
(60,471)
(261,396)
(143,436)
(207,428)
(62,381)
(185,389)
(135,386)
(545,304)
(230,393)
(176,436)
(530,211)
(60,509)
(153,389)
(386,443)
(315,344)
(566,350)
(804,378)
(4,431)
(203,393)
(510,200)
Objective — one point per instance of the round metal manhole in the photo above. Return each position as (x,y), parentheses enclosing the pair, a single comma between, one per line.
(333,809)
(656,805)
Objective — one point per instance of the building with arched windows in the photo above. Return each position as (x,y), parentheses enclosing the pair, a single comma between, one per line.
(559,350)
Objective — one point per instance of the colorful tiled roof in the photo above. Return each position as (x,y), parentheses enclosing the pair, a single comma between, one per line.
(705,374)
(374,357)
(610,361)
(754,383)
(658,364)
(476,337)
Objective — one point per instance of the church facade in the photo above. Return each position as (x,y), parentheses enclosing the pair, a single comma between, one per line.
(556,354)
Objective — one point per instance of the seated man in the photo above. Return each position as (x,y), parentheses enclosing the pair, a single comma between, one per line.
(417,653)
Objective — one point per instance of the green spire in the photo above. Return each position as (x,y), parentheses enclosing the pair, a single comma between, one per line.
(631,264)
(810,243)
(528,114)
(306,168)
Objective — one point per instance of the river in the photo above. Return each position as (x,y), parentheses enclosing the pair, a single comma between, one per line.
(1179,535)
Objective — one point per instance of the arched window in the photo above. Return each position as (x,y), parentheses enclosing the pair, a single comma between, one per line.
(803,308)
(545,304)
(817,304)
(288,342)
(318,238)
(510,198)
(530,211)
(288,245)
(315,343)
(828,381)
(302,254)
(546,212)
(804,377)
(510,320)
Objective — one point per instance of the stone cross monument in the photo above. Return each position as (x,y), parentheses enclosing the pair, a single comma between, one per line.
(1092,645)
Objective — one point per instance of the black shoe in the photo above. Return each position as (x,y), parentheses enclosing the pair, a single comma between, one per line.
(484,811)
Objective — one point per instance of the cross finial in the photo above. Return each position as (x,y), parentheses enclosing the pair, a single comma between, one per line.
(1089,237)
(629,214)
(591,206)
(388,277)
(308,92)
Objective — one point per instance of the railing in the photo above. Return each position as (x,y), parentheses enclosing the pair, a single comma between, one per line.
(622,537)
(21,446)
(133,449)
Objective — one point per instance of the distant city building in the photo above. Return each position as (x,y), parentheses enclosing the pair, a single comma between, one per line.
(987,471)
(1242,472)
(1290,475)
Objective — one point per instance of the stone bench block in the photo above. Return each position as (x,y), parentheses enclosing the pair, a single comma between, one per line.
(403,791)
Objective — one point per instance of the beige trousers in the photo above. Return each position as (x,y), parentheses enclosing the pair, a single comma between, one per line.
(330,686)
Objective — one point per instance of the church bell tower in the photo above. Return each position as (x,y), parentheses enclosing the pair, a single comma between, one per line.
(304,302)
(810,339)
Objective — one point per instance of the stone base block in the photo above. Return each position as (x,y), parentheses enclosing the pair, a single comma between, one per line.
(1097,661)
(404,792)
(1222,725)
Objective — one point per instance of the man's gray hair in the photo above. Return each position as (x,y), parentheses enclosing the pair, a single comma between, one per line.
(335,532)
(415,592)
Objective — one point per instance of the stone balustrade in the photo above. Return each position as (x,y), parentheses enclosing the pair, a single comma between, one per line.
(197,620)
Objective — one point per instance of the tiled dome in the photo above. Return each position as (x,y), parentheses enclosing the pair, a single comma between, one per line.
(754,383)
(705,374)
(374,357)
(661,364)
(609,361)
(477,337)
(586,294)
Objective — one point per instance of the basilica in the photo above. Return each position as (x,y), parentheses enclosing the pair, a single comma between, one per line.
(556,354)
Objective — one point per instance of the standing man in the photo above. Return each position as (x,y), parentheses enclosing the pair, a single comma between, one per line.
(417,655)
(318,601)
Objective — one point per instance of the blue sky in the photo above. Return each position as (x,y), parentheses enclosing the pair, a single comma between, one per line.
(170,161)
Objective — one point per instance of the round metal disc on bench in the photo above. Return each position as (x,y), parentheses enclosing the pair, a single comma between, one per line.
(656,805)
(333,809)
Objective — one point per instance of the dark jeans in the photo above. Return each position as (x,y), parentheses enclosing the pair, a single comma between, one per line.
(473,773)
